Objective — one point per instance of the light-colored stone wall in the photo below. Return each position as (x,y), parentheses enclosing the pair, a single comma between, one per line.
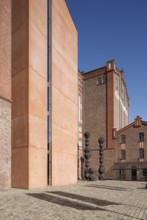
(80,131)
(64,96)
(121,102)
(5,94)
(5,144)
(5,49)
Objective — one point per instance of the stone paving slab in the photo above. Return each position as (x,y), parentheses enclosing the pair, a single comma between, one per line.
(113,200)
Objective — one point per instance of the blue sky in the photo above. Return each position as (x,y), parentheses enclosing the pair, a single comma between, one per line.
(115,29)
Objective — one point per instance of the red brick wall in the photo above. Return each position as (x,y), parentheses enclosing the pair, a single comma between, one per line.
(132,143)
(110,108)
(99,112)
(109,162)
(94,116)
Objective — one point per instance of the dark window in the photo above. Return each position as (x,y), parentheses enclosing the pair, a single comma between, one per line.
(123,139)
(144,172)
(141,153)
(123,154)
(122,173)
(141,137)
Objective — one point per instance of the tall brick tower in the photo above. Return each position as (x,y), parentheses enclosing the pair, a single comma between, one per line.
(105,108)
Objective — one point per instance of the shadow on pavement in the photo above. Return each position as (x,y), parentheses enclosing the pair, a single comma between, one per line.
(63,202)
(77,205)
(94,201)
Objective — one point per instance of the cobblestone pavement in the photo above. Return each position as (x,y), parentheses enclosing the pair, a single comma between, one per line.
(113,200)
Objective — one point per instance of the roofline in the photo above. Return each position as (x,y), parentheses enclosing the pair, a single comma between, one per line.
(130,125)
(94,70)
(71,16)
(115,69)
(125,128)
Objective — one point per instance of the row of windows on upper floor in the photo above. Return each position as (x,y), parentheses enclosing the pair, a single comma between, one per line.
(123,138)
(123,154)
(100,80)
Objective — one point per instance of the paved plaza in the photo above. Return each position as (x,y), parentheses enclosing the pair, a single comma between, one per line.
(113,200)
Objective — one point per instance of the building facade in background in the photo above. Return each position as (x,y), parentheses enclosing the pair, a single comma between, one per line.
(131,163)
(105,108)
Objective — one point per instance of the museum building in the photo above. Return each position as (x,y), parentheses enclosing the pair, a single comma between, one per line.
(47,105)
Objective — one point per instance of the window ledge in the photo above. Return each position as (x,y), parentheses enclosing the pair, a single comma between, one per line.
(122,160)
